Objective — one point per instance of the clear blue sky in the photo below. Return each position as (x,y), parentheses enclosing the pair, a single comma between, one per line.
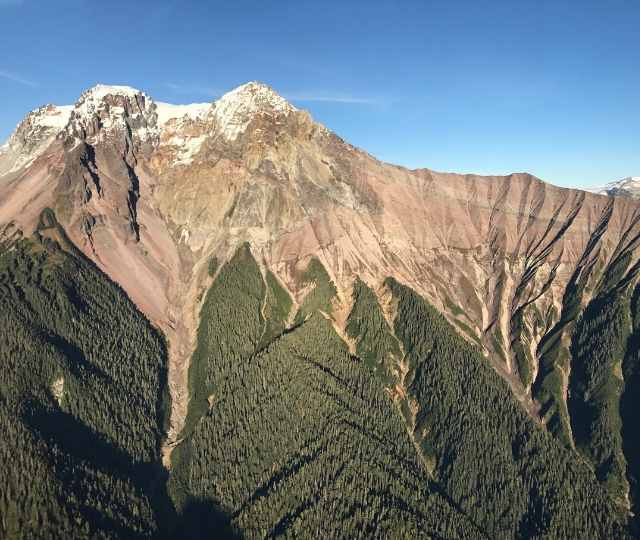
(549,87)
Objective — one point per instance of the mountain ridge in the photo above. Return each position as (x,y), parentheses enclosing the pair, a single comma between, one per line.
(152,201)
(408,352)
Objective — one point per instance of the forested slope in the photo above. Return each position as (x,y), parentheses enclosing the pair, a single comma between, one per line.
(298,438)
(410,435)
(82,399)
(416,436)
(505,470)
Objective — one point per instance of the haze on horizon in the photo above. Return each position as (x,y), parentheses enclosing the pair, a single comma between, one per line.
(485,87)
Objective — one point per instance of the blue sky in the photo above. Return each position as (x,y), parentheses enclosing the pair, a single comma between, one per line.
(549,87)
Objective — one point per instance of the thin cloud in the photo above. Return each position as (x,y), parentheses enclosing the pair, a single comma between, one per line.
(16,78)
(299,97)
(327,98)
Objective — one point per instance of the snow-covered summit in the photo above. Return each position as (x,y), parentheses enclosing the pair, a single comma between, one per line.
(33,135)
(107,111)
(101,98)
(186,128)
(235,109)
(627,187)
(104,109)
(40,122)
(99,91)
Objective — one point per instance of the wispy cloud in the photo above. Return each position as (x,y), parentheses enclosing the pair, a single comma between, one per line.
(337,98)
(16,78)
(302,97)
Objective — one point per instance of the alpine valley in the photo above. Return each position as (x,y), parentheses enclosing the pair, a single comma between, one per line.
(223,320)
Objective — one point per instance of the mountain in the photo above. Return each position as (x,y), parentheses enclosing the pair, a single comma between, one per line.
(351,348)
(627,187)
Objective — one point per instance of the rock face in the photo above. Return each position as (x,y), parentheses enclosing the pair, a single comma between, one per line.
(152,191)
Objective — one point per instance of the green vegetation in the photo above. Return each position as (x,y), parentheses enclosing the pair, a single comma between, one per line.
(554,360)
(82,399)
(319,451)
(604,381)
(496,342)
(288,434)
(519,344)
(212,267)
(230,329)
(322,293)
(366,323)
(505,472)
(595,386)
(277,308)
(630,405)
(299,438)
(453,308)
(468,330)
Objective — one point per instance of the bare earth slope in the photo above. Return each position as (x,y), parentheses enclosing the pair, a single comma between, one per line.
(151,192)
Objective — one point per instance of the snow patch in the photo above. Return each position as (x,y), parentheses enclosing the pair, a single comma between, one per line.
(629,186)
(55,117)
(194,111)
(96,117)
(100,91)
(188,148)
(235,109)
(33,136)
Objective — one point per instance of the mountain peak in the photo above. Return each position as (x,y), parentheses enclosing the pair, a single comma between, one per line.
(257,90)
(32,136)
(99,91)
(93,99)
(627,187)
(103,109)
(235,109)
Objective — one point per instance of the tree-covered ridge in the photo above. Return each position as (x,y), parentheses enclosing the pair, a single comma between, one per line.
(376,345)
(556,350)
(512,477)
(603,387)
(231,327)
(596,384)
(82,398)
(581,383)
(630,405)
(322,290)
(277,308)
(300,438)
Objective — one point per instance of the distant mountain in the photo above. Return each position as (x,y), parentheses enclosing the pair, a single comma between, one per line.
(627,187)
(351,348)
